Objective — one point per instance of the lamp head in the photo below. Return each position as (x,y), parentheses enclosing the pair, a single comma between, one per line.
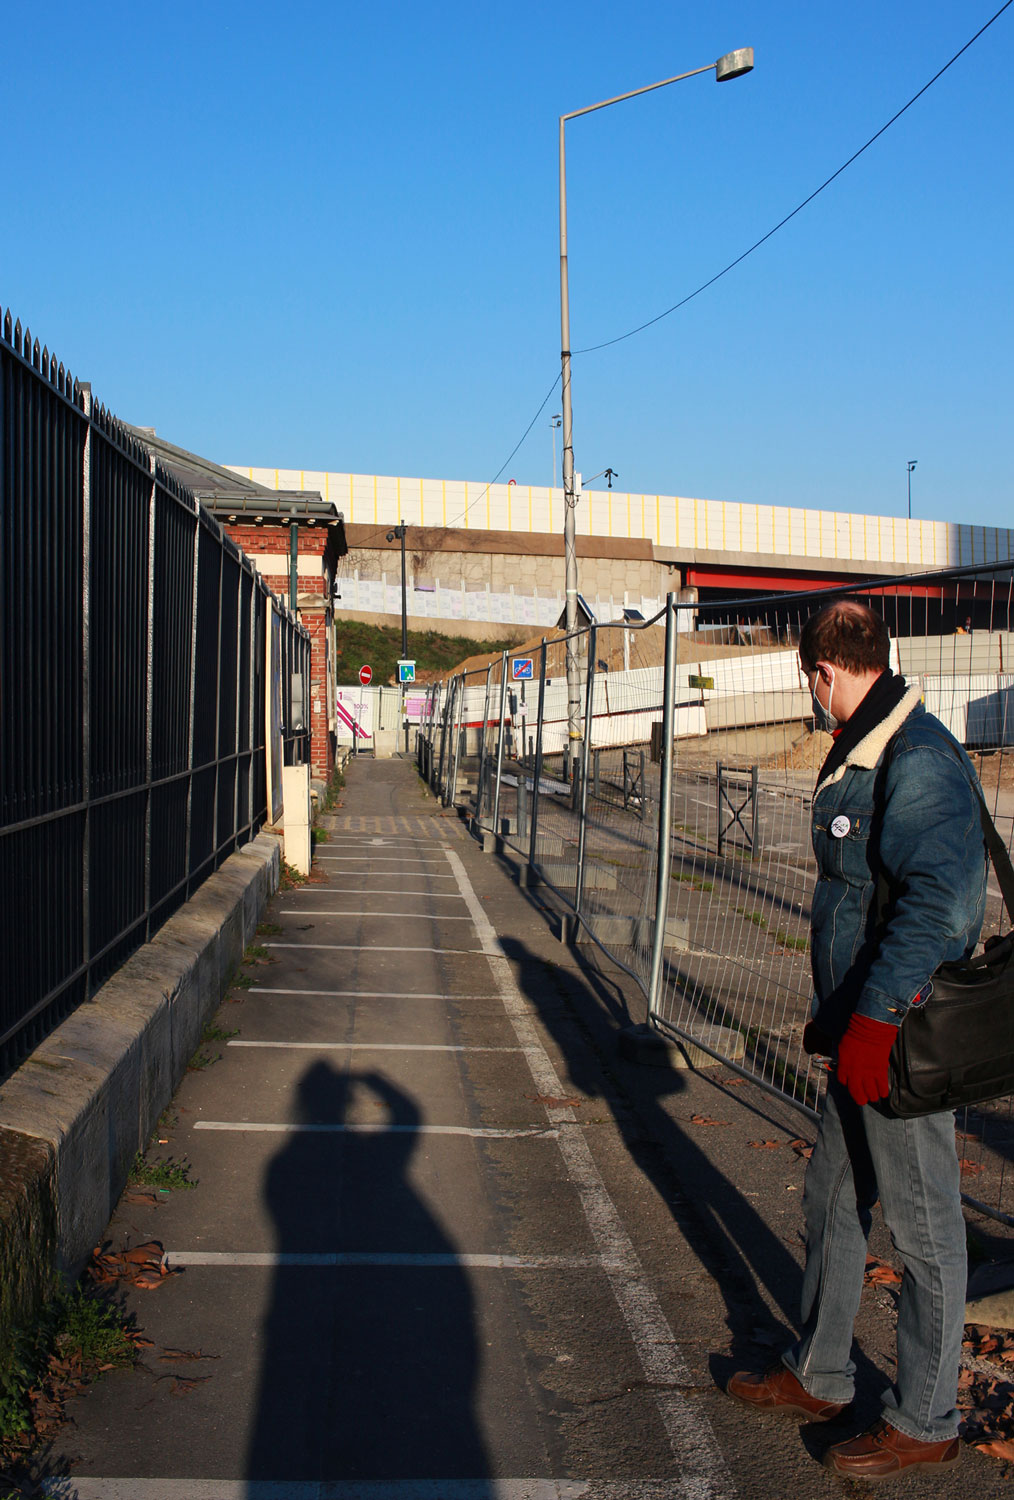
(734,64)
(390,536)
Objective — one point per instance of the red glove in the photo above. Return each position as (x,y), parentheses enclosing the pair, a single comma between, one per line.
(862,1058)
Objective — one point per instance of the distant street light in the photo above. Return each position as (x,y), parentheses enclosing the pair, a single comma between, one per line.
(399,532)
(910,466)
(732,65)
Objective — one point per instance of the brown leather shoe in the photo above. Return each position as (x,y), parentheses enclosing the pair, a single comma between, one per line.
(884,1451)
(780,1392)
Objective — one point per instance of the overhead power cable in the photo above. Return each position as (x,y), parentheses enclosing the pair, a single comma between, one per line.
(607,343)
(489,484)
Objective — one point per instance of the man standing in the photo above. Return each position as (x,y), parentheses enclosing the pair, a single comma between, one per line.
(896,796)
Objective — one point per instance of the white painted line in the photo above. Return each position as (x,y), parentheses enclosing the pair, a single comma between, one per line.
(312,1259)
(340,890)
(374,948)
(702,1470)
(396,841)
(375,859)
(420,916)
(375,1046)
(381,1127)
(411,873)
(263,989)
(97,1488)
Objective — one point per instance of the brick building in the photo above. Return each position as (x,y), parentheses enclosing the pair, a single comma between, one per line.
(294,539)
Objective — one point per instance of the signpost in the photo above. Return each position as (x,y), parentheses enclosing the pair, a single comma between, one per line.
(366,675)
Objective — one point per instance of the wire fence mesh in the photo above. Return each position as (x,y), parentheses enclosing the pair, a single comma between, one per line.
(728,968)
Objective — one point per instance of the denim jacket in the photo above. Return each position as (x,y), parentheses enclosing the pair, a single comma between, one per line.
(927,835)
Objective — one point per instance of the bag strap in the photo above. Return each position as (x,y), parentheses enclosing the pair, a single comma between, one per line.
(994,843)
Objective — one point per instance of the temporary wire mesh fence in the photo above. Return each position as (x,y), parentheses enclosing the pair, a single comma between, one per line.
(729,969)
(135,684)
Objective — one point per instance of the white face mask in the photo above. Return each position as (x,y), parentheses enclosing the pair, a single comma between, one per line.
(826,720)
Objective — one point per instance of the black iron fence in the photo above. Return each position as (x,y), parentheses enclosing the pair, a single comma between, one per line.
(136,704)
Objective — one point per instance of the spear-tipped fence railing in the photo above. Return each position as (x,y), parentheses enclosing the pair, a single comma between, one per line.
(679,842)
(135,673)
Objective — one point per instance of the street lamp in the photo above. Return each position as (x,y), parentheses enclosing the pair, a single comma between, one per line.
(732,65)
(910,466)
(399,531)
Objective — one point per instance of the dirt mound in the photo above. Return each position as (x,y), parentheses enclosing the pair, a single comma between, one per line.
(808,753)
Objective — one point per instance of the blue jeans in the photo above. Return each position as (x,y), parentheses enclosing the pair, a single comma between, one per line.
(912,1166)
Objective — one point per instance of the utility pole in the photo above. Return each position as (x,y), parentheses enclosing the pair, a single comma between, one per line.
(910,466)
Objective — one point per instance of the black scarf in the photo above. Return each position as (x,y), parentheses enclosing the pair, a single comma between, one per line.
(883,697)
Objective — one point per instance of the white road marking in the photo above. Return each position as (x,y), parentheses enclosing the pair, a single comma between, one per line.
(376,948)
(419,916)
(703,1474)
(348,890)
(263,989)
(361,837)
(354,1258)
(412,873)
(373,859)
(380,1127)
(375,1046)
(93,1487)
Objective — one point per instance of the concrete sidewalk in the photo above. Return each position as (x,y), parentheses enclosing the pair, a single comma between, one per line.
(444,1243)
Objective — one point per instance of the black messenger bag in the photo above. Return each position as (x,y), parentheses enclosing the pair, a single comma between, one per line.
(957,1046)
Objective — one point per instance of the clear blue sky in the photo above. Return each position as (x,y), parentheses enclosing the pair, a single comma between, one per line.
(325,236)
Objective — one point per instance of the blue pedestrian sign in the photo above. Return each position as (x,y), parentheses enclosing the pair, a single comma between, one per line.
(521,668)
(406,671)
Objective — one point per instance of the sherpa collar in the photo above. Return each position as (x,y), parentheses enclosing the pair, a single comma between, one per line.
(871,747)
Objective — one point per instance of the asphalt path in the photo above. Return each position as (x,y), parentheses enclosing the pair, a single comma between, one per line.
(444,1244)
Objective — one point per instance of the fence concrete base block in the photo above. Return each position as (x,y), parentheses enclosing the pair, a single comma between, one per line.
(76,1112)
(991,1296)
(489,840)
(652,1048)
(629,932)
(595,878)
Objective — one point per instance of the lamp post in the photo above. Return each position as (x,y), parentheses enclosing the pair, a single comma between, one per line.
(399,531)
(910,466)
(732,65)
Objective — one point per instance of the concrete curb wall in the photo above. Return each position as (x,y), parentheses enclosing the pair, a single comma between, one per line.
(76,1112)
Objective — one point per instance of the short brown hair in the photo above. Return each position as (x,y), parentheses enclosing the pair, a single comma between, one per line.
(846,634)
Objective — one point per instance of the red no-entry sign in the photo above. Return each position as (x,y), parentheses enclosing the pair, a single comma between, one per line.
(366,675)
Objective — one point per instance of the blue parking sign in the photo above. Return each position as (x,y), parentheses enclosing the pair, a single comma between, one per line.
(406,671)
(521,668)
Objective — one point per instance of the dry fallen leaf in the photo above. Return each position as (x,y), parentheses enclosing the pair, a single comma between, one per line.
(183,1354)
(764,1145)
(143,1266)
(802,1148)
(879,1274)
(183,1384)
(703,1120)
(998,1448)
(969,1168)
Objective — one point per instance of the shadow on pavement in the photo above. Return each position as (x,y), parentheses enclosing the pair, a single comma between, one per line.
(369,1370)
(731,1236)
